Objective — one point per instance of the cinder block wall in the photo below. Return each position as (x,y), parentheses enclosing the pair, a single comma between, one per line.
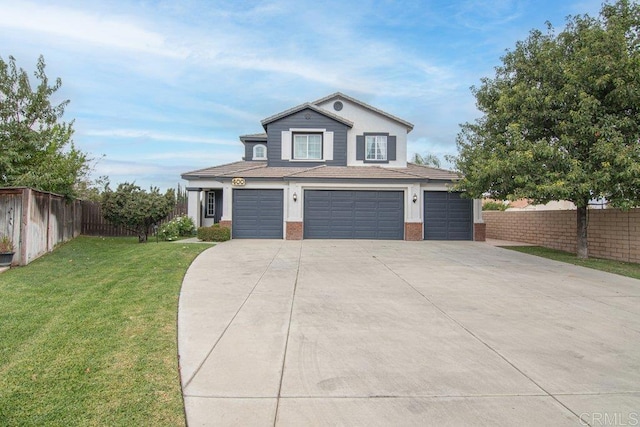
(613,234)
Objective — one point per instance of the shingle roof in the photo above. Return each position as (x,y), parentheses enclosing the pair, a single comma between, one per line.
(254,137)
(222,170)
(255,169)
(365,105)
(351,172)
(432,173)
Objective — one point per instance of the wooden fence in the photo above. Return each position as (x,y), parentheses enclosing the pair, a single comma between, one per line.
(37,221)
(93,223)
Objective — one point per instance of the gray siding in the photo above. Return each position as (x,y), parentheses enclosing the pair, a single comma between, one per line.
(248,150)
(340,214)
(447,216)
(298,121)
(218,216)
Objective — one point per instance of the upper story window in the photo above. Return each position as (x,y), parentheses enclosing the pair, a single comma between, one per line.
(260,152)
(376,147)
(307,146)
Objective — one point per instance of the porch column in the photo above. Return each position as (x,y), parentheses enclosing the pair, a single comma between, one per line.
(227,201)
(194,206)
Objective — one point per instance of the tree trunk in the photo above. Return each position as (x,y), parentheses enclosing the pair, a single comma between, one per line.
(582,243)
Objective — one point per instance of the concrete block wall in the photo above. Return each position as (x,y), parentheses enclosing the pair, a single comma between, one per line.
(613,234)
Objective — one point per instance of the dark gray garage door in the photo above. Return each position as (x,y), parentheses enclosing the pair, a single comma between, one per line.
(335,214)
(257,214)
(447,216)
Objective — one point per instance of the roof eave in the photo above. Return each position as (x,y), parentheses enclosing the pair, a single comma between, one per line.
(253,138)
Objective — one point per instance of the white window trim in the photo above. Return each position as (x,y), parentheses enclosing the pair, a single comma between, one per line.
(307,134)
(375,142)
(207,205)
(256,157)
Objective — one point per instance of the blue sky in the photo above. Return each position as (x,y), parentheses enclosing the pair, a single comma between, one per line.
(158,88)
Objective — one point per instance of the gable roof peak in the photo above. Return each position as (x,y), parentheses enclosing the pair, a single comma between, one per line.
(341,95)
(306,105)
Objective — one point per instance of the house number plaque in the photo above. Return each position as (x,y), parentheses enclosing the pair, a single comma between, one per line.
(237,182)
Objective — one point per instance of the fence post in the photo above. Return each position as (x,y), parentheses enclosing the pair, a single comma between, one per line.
(24,225)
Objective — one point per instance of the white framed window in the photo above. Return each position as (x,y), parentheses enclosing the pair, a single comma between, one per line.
(210,205)
(376,147)
(307,146)
(260,152)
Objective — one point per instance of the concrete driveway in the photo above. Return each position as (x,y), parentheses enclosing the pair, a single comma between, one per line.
(380,333)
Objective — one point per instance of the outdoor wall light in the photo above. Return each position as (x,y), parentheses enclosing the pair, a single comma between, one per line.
(415,198)
(295,197)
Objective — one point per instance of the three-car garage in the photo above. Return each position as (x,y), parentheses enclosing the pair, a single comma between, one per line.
(351,214)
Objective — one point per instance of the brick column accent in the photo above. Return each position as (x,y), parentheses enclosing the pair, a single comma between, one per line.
(226,224)
(413,231)
(479,231)
(294,230)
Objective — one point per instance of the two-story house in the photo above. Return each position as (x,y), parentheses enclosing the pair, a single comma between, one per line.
(334,168)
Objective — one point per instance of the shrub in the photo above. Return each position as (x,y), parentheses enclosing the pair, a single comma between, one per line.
(215,233)
(179,226)
(494,206)
(185,224)
(169,231)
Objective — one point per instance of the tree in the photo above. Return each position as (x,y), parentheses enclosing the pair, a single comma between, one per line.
(135,209)
(427,160)
(37,149)
(561,118)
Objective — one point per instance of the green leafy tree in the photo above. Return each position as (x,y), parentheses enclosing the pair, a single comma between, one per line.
(561,118)
(36,145)
(91,189)
(427,160)
(136,209)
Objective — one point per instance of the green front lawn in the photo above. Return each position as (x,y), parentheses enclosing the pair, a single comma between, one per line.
(88,335)
(628,269)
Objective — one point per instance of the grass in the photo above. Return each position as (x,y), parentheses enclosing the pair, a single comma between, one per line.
(88,335)
(628,269)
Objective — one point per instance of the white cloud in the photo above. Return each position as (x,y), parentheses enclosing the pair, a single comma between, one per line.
(119,32)
(194,157)
(487,14)
(124,168)
(153,135)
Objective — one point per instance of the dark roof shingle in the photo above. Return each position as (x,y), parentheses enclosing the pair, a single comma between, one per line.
(256,169)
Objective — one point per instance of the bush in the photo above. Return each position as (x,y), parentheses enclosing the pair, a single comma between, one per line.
(185,224)
(177,227)
(169,231)
(494,206)
(215,233)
